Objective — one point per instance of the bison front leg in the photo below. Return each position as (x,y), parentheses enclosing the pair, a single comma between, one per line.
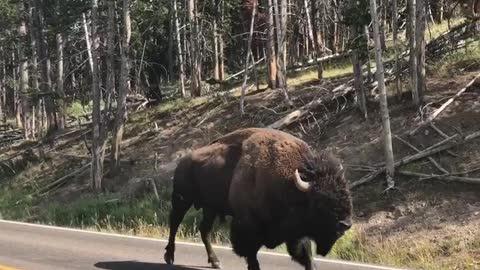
(180,207)
(245,243)
(301,252)
(205,231)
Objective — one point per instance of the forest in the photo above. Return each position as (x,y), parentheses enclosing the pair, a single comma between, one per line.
(99,98)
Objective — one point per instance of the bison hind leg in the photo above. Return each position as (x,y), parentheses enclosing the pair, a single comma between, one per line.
(301,252)
(206,232)
(180,206)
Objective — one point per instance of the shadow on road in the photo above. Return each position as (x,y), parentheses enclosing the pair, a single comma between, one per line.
(135,265)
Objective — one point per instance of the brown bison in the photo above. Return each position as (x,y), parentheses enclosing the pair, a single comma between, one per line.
(275,187)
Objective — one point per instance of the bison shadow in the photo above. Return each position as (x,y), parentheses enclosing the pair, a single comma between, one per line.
(136,265)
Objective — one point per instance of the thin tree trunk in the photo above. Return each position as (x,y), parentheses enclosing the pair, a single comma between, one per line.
(122,95)
(60,82)
(271,57)
(23,72)
(34,67)
(387,134)
(51,123)
(413,52)
(281,19)
(97,166)
(398,86)
(195,88)
(180,51)
(383,18)
(357,73)
(367,43)
(420,23)
(216,70)
(171,39)
(311,37)
(88,41)
(249,46)
(317,43)
(221,60)
(110,85)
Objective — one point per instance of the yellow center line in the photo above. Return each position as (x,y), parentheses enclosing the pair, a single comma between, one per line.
(4,267)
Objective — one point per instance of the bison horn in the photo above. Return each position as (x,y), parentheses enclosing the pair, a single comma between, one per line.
(301,185)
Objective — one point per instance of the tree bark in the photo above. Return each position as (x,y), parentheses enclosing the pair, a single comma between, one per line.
(97,166)
(387,134)
(216,64)
(60,82)
(110,85)
(196,87)
(271,57)
(281,22)
(88,41)
(311,37)
(413,52)
(171,39)
(123,85)
(317,43)
(180,51)
(249,46)
(398,86)
(358,76)
(221,60)
(23,72)
(420,24)
(34,66)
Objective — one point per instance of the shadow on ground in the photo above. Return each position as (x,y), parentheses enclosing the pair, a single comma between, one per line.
(135,265)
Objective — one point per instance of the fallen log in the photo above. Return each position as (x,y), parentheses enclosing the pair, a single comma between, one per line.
(444,105)
(439,147)
(446,177)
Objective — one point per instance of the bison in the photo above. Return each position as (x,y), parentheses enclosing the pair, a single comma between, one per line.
(282,192)
(275,187)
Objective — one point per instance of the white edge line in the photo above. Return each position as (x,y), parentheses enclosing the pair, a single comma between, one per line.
(188,243)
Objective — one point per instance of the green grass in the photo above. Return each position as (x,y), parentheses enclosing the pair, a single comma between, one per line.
(463,58)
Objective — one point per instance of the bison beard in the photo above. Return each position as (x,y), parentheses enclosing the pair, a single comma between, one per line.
(276,189)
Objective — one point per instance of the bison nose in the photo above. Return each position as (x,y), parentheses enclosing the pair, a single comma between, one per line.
(344,225)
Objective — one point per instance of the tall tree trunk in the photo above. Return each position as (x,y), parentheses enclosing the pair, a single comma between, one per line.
(312,39)
(122,95)
(216,64)
(367,43)
(196,87)
(249,49)
(221,60)
(281,22)
(420,23)
(23,72)
(387,134)
(51,123)
(97,166)
(317,43)
(271,57)
(60,82)
(357,73)
(398,86)
(110,85)
(88,41)
(383,19)
(413,52)
(34,66)
(171,39)
(180,51)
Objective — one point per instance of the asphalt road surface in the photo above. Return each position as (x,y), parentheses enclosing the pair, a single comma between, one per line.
(26,246)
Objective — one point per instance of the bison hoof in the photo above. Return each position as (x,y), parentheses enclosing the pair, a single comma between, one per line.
(169,258)
(216,265)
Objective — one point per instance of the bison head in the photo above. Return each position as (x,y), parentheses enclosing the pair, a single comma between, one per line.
(329,201)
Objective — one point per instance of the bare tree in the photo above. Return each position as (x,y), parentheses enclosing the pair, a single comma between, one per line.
(413,51)
(387,134)
(34,76)
(281,22)
(97,166)
(270,51)
(249,46)
(311,37)
(22,67)
(420,24)
(196,86)
(123,85)
(60,74)
(357,72)
(398,86)
(179,48)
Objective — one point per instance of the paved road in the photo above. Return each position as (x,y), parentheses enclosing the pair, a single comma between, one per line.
(34,247)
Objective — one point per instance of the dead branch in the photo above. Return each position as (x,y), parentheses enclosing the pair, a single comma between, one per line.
(439,131)
(448,102)
(433,161)
(439,147)
(461,179)
(64,178)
